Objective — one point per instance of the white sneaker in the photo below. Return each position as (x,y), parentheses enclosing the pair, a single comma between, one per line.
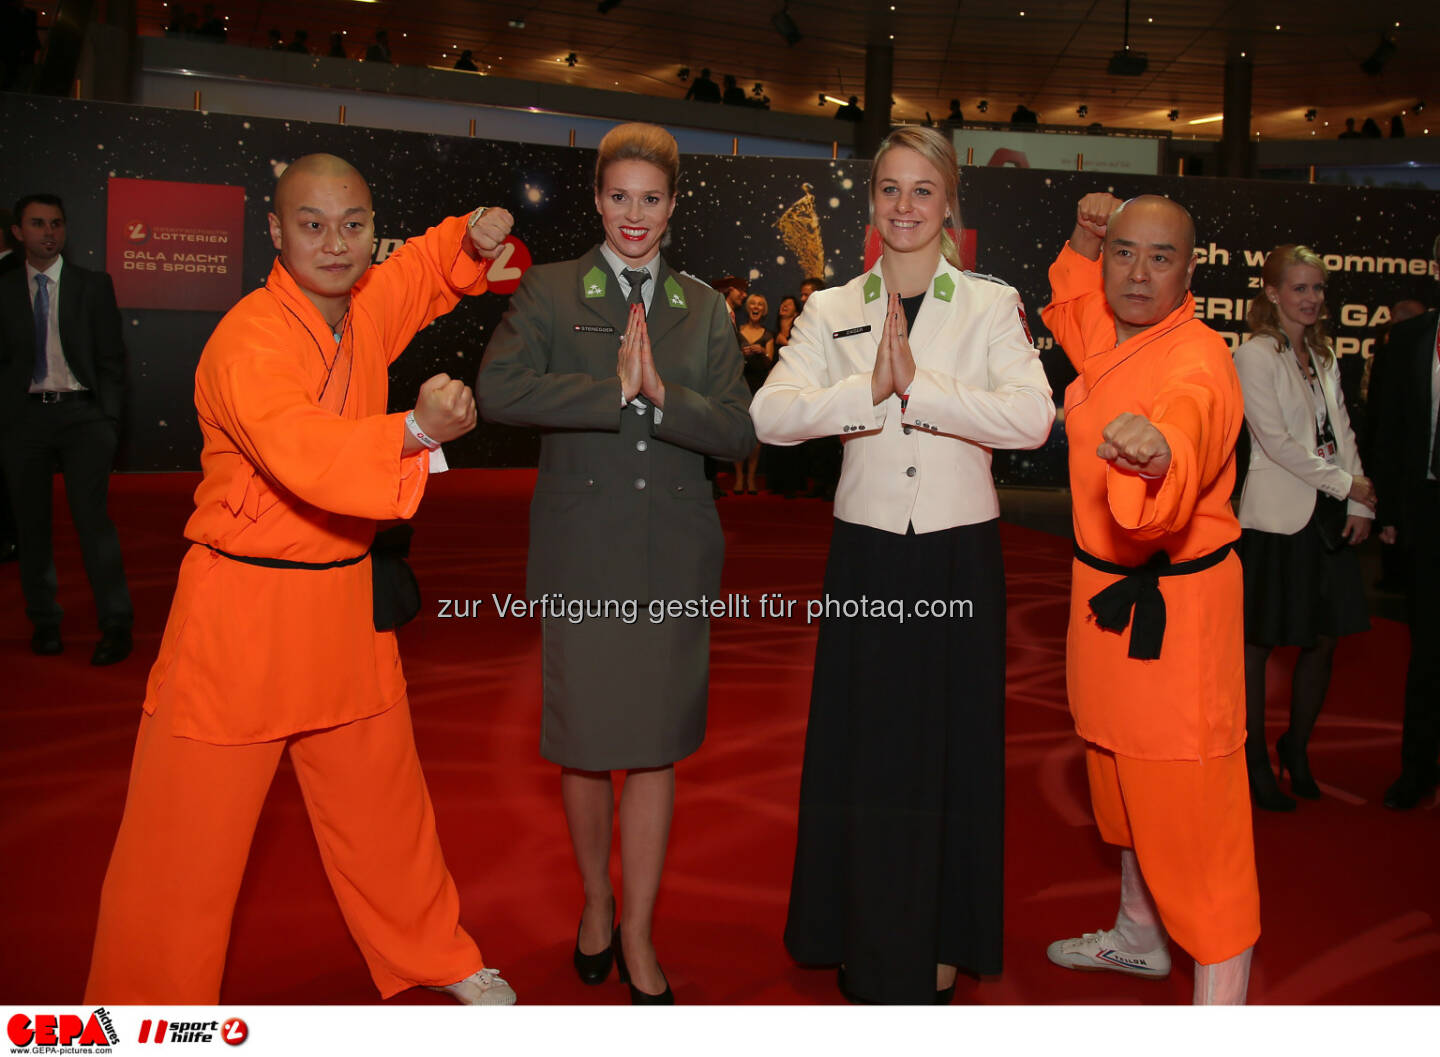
(485,987)
(1105,950)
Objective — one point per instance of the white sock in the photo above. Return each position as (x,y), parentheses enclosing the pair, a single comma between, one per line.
(1224,983)
(1138,921)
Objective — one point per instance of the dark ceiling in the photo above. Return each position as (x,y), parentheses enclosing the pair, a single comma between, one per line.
(1049,54)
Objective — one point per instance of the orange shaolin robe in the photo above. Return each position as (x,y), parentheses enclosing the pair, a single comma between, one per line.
(1189,703)
(256,660)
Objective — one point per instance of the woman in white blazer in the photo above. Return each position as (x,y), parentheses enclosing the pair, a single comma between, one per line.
(1305,505)
(920,369)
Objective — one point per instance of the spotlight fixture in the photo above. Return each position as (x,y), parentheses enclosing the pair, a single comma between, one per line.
(1174,115)
(1311,114)
(1419,107)
(684,73)
(759,89)
(785,26)
(983,105)
(1082,110)
(571,59)
(1382,54)
(1127,63)
(516,23)
(606,6)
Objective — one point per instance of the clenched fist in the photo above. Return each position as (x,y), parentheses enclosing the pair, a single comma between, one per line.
(1134,445)
(1092,219)
(488,233)
(446,408)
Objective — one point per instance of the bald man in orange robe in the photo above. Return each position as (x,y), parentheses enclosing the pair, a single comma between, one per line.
(1154,659)
(271,642)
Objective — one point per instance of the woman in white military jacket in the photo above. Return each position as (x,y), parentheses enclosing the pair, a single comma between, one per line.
(622,513)
(920,369)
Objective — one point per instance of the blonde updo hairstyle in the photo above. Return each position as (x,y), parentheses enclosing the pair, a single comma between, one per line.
(639,142)
(1264,315)
(935,147)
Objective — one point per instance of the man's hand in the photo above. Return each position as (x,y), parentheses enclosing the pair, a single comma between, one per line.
(1387,534)
(1362,490)
(445,409)
(1133,444)
(488,233)
(1092,218)
(1357,529)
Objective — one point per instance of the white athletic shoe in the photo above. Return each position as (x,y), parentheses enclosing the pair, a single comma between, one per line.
(481,988)
(1105,950)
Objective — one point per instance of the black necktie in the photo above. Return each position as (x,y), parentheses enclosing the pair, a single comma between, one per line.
(42,330)
(637,281)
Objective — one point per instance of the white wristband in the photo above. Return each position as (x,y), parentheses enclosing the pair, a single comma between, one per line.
(415,431)
(475,216)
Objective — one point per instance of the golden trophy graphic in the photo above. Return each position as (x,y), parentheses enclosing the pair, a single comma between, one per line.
(800,231)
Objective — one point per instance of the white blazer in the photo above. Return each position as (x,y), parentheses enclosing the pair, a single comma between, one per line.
(1285,472)
(978,385)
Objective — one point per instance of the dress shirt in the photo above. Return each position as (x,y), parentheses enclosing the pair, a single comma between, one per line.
(59,378)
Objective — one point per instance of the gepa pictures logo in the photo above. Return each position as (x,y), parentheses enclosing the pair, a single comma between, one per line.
(39,1033)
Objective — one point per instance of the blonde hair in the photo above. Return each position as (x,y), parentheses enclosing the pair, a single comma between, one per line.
(936,149)
(1264,315)
(639,142)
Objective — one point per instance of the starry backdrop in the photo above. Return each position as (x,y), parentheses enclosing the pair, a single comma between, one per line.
(724,223)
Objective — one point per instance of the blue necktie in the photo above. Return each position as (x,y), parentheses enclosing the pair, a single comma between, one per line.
(42,328)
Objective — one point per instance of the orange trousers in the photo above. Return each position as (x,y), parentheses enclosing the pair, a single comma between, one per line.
(1188,823)
(190,815)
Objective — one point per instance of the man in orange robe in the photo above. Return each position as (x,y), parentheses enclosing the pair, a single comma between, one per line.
(271,642)
(1154,658)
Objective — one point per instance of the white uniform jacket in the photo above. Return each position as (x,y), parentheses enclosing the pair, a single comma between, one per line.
(978,385)
(1285,471)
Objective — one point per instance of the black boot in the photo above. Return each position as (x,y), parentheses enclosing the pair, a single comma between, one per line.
(1264,792)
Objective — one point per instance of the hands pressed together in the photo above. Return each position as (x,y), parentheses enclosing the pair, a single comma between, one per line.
(894,363)
(636,364)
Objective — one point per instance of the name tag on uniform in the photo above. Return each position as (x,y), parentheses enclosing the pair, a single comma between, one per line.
(851,332)
(594,328)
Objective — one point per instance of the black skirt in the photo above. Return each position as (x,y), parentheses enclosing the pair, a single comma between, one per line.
(1296,588)
(899,863)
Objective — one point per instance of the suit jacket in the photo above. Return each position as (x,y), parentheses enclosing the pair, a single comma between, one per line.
(1285,472)
(622,508)
(1407,414)
(978,385)
(90,331)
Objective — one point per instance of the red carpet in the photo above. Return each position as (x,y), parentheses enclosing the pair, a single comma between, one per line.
(1350,892)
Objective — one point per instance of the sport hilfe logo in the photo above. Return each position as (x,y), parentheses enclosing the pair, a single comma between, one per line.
(63,1029)
(233,1031)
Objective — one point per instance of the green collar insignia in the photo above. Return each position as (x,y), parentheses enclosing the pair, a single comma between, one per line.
(944,287)
(872,287)
(673,293)
(594,282)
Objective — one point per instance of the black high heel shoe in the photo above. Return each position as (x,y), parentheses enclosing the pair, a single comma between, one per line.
(1264,791)
(594,968)
(1302,783)
(637,996)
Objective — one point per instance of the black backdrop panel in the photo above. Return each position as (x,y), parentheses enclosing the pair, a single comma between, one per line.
(725,223)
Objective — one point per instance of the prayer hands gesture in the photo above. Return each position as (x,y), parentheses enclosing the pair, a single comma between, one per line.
(1092,218)
(894,363)
(445,409)
(636,364)
(1132,444)
(488,233)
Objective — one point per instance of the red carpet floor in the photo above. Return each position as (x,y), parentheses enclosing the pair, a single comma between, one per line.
(1350,891)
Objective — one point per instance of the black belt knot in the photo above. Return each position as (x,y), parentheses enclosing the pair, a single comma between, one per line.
(1138,593)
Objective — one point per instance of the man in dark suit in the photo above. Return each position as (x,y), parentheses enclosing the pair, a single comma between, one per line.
(10,257)
(62,374)
(1407,480)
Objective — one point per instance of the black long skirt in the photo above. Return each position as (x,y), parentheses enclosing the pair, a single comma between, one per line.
(899,863)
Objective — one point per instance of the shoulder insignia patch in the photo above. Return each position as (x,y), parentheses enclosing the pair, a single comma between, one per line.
(673,293)
(944,287)
(872,287)
(594,282)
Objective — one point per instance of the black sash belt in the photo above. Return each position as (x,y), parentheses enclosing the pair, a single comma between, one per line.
(285,563)
(1139,592)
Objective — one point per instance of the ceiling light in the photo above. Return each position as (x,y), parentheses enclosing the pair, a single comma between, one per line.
(1203,120)
(1082,110)
(571,59)
(684,73)
(983,105)
(1310,114)
(516,23)
(606,6)
(786,27)
(1174,115)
